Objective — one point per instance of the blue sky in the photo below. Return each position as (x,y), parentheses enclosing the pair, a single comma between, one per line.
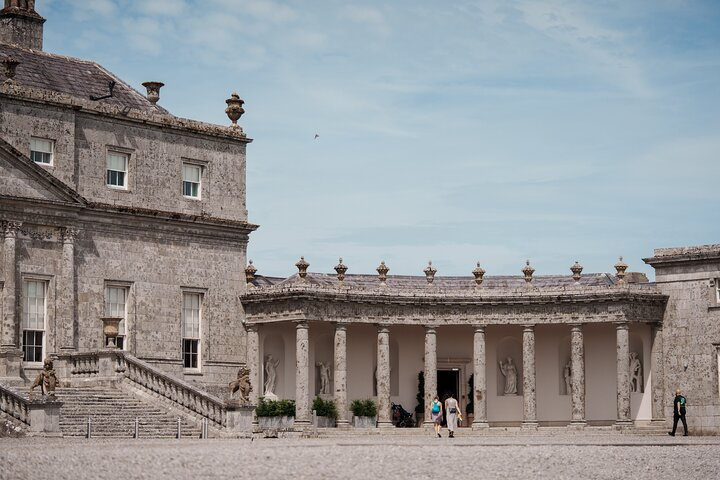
(455,131)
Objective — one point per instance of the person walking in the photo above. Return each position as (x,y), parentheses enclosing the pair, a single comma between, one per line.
(679,412)
(451,414)
(436,415)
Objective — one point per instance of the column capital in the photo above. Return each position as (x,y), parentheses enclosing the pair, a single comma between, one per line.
(576,327)
(529,328)
(479,328)
(251,327)
(69,234)
(10,228)
(657,326)
(341,325)
(383,327)
(430,328)
(622,325)
(301,324)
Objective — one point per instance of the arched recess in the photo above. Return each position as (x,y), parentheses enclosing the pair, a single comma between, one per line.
(509,347)
(324,353)
(274,345)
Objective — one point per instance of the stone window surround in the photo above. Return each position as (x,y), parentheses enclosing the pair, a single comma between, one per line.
(201,292)
(202,164)
(51,152)
(49,300)
(129,154)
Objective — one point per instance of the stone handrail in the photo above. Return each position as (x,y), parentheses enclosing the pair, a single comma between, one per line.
(177,391)
(14,405)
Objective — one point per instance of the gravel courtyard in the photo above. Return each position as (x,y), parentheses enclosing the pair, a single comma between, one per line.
(362,457)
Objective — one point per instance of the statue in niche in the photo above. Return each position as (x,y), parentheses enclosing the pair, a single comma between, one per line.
(241,384)
(270,375)
(636,376)
(46,379)
(567,375)
(324,377)
(509,370)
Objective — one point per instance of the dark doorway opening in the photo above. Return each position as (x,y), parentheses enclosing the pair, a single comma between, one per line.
(448,381)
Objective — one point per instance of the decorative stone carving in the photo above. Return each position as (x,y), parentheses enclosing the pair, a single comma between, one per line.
(324,377)
(509,371)
(430,272)
(636,373)
(69,235)
(250,271)
(478,272)
(10,228)
(621,266)
(242,385)
(234,109)
(10,64)
(41,233)
(271,365)
(153,91)
(528,272)
(340,268)
(302,267)
(576,271)
(46,379)
(382,270)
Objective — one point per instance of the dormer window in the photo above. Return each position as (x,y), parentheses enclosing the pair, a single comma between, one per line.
(117,168)
(191,180)
(41,150)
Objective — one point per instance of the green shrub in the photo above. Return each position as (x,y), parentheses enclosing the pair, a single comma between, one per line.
(325,408)
(363,408)
(275,408)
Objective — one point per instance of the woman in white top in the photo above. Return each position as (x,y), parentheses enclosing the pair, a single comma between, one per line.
(451,414)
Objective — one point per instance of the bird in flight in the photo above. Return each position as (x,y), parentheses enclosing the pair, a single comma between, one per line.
(317,136)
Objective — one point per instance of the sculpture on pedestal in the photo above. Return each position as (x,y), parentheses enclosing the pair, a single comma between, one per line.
(46,379)
(242,384)
(509,370)
(636,376)
(270,375)
(567,375)
(324,377)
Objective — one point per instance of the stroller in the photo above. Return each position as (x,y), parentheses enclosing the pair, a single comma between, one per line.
(400,417)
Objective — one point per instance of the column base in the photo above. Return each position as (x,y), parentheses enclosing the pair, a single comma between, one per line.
(480,425)
(577,425)
(302,423)
(623,424)
(385,425)
(529,425)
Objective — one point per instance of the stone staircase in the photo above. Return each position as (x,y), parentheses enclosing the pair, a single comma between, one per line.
(113,411)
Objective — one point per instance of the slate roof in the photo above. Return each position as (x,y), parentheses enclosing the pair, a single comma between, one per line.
(410,282)
(72,76)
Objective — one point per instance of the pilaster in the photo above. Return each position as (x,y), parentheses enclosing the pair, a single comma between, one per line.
(10,353)
(66,292)
(529,397)
(657,374)
(479,395)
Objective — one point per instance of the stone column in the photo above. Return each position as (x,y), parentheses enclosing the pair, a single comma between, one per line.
(10,354)
(302,374)
(623,374)
(657,374)
(383,376)
(340,374)
(430,372)
(66,337)
(577,366)
(479,379)
(529,405)
(253,362)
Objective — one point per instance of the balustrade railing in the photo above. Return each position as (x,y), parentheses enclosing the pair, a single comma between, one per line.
(14,405)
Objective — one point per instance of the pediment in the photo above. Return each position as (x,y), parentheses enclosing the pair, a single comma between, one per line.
(20,177)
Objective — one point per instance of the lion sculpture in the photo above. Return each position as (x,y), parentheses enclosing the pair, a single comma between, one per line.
(241,384)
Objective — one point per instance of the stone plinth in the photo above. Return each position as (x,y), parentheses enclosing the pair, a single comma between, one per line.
(364,422)
(45,417)
(239,417)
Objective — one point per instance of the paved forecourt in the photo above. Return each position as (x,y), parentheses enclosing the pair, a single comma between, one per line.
(359,457)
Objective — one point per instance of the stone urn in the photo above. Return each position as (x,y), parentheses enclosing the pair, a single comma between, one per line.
(234,109)
(111,329)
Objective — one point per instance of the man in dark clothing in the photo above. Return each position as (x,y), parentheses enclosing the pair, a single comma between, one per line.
(678,412)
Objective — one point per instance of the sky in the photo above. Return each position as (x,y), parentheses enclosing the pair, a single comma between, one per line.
(454,131)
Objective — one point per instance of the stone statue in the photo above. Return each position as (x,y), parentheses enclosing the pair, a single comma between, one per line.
(242,384)
(324,377)
(509,370)
(270,375)
(46,379)
(567,375)
(636,376)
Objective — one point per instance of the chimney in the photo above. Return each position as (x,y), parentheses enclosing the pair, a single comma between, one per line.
(21,25)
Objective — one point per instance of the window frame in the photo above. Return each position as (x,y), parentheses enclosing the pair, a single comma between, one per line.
(200,169)
(25,321)
(187,339)
(121,340)
(126,173)
(51,153)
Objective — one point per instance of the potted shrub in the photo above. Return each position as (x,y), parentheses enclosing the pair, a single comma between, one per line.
(325,412)
(364,413)
(276,414)
(470,408)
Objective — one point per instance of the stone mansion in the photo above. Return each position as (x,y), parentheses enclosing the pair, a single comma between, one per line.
(110,206)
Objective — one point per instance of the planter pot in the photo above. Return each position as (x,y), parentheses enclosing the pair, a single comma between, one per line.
(276,423)
(111,329)
(364,422)
(325,422)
